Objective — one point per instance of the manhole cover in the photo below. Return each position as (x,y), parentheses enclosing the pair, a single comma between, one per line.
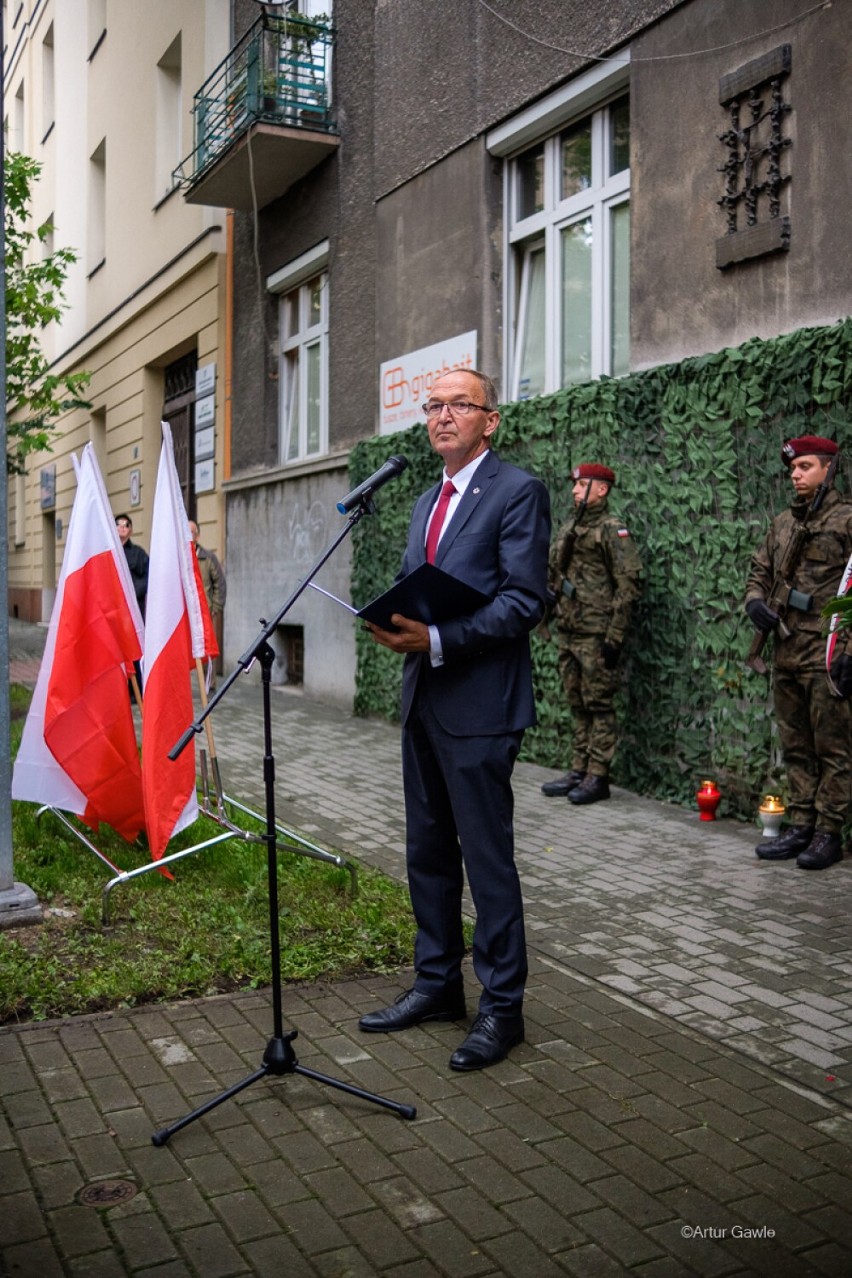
(106,1193)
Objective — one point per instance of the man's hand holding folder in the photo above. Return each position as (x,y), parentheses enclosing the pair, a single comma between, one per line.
(408,635)
(423,598)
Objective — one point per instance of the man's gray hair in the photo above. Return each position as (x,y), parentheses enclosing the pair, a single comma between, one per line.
(489,390)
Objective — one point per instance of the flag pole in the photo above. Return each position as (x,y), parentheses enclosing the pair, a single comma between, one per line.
(137,692)
(202,689)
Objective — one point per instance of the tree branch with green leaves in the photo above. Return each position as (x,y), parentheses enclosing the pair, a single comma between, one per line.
(36,396)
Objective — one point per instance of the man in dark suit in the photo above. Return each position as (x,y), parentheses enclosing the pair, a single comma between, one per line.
(467,698)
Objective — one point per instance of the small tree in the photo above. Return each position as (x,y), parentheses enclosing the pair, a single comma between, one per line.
(35,396)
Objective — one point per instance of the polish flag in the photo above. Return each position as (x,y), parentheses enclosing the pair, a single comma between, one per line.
(210,642)
(834,624)
(178,630)
(78,752)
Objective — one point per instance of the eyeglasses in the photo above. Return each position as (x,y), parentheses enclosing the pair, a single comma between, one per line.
(459,407)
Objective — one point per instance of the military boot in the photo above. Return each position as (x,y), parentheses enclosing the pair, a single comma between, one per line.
(788,844)
(822,851)
(563,785)
(590,790)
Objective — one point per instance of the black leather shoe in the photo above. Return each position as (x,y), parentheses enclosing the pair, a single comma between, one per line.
(563,785)
(412,1007)
(489,1041)
(788,844)
(591,790)
(823,850)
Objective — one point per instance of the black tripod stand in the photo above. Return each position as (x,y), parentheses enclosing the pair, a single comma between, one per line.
(279,1057)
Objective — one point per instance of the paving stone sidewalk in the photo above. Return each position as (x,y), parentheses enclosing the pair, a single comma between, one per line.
(682,1104)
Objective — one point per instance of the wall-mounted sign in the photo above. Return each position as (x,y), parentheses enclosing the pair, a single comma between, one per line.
(47,487)
(205,476)
(135,487)
(205,411)
(405,383)
(204,443)
(205,380)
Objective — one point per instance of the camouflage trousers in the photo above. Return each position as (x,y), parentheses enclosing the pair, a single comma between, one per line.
(590,691)
(816,741)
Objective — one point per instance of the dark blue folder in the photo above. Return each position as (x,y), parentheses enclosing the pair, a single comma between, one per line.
(427,594)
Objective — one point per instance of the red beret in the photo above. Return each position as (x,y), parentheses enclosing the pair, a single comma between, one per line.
(591,470)
(806,446)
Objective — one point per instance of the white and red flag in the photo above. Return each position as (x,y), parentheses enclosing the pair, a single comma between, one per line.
(178,630)
(834,624)
(78,752)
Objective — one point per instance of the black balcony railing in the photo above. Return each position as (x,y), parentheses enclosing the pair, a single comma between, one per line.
(278,73)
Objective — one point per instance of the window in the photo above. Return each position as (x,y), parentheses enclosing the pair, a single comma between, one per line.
(567,193)
(48,244)
(47,84)
(304,361)
(303,371)
(96,248)
(98,438)
(17,135)
(20,509)
(96,25)
(168,119)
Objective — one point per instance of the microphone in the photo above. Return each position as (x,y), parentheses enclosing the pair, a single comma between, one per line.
(392,467)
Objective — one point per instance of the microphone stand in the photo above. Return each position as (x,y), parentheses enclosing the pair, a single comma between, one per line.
(279,1057)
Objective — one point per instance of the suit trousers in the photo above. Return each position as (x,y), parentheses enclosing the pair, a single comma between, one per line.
(459,813)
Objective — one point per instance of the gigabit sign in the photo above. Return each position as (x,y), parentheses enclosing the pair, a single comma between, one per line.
(407,381)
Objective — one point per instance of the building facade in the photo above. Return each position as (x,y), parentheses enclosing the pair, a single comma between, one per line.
(100,93)
(552,191)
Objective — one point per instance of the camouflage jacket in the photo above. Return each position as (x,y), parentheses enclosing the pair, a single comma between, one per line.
(603,575)
(818,573)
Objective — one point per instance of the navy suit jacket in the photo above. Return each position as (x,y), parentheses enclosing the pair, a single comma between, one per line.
(497,541)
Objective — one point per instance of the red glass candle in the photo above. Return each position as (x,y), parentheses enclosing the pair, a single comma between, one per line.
(707,797)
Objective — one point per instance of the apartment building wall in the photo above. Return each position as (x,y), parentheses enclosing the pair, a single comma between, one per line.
(411,208)
(435,102)
(681,303)
(148,288)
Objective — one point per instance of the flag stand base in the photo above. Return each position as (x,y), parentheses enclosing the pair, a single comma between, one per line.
(279,1057)
(217,807)
(217,810)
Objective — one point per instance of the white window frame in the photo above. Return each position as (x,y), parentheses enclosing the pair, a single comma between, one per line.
(290,279)
(543,122)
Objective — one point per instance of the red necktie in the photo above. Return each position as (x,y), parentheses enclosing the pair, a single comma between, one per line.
(438,521)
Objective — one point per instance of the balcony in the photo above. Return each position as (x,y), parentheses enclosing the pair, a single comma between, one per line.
(263,118)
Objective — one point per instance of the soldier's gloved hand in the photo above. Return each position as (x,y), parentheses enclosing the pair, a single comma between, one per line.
(610,652)
(841,674)
(761,616)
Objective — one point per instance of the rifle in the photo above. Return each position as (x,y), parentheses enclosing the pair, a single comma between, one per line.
(571,541)
(782,595)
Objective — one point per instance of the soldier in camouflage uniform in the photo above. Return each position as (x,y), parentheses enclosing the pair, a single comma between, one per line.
(814,725)
(594,575)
